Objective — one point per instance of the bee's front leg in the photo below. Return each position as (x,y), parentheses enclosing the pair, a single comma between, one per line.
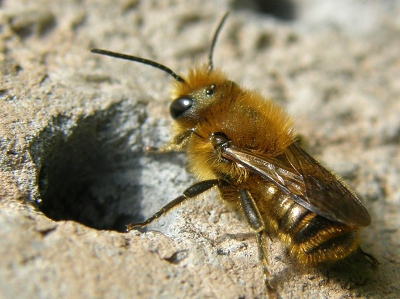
(175,145)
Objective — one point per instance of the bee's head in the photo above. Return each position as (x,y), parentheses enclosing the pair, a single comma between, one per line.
(190,94)
(203,84)
(200,88)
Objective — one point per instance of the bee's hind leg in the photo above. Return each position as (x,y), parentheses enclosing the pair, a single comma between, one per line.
(370,257)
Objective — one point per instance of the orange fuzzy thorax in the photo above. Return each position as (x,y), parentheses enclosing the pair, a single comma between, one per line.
(247,118)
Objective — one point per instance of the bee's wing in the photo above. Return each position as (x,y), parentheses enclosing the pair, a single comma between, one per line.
(306,181)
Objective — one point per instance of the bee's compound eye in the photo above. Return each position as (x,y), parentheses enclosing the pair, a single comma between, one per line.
(180,105)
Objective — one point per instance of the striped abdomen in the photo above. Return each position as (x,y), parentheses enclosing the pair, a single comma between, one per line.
(310,238)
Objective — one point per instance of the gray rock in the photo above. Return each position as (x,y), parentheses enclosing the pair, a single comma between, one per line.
(74,125)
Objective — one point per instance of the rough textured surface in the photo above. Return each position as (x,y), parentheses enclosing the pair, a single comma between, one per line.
(73,126)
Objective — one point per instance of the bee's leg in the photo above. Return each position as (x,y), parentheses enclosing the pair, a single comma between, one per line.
(190,192)
(371,258)
(264,263)
(176,145)
(256,222)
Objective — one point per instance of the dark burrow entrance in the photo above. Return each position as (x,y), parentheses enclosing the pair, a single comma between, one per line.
(90,170)
(94,171)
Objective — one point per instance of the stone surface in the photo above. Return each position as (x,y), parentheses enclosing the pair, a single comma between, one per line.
(73,126)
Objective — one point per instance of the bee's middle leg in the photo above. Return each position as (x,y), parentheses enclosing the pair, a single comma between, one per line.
(256,222)
(190,192)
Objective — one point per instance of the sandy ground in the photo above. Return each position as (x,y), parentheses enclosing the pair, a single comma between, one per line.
(73,127)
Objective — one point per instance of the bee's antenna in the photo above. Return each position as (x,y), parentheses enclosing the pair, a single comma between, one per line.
(140,60)
(214,41)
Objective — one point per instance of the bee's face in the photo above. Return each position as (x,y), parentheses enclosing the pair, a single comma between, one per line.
(191,106)
(192,98)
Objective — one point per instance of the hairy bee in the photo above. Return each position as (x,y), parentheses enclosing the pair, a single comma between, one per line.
(244,145)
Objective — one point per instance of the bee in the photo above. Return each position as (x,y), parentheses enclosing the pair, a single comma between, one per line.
(243,144)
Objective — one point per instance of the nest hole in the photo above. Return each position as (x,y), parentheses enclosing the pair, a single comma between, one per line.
(90,171)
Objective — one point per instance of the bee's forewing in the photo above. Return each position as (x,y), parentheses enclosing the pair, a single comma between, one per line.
(308,183)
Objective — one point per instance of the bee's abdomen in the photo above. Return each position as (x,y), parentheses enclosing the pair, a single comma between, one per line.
(317,239)
(311,238)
